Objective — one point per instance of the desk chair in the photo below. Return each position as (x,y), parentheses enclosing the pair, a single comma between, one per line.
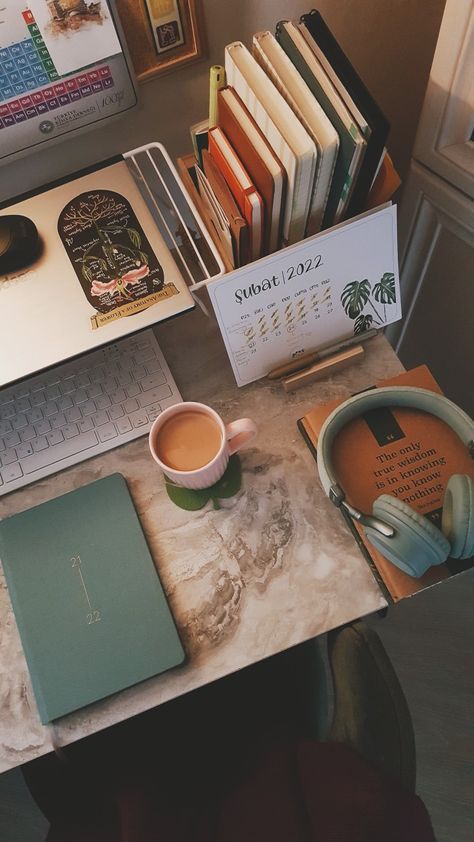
(284,697)
(370,710)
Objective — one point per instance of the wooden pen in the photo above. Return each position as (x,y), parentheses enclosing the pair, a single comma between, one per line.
(323,368)
(303,362)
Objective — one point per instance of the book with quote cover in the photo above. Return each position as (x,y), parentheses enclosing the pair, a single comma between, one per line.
(403,452)
(91,612)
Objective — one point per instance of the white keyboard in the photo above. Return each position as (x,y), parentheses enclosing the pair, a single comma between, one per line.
(82,408)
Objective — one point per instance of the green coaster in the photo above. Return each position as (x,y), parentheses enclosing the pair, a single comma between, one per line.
(228,485)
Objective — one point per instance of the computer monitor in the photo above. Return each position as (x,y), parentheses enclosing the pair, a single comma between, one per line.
(63,69)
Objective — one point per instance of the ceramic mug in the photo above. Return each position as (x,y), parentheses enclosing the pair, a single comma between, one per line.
(231,438)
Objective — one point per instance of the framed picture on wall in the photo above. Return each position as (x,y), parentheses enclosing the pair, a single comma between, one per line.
(162,34)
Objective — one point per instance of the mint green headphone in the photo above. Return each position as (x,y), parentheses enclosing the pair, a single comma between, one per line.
(402,535)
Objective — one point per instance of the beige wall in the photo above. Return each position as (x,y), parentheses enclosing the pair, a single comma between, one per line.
(390,42)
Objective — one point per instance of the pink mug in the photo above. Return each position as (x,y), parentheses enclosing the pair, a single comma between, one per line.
(230,438)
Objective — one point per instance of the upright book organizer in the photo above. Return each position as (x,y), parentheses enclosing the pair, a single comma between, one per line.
(175,214)
(333,285)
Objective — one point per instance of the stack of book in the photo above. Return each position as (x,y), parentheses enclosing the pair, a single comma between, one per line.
(295,143)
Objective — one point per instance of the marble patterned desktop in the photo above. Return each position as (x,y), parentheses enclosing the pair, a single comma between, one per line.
(273,568)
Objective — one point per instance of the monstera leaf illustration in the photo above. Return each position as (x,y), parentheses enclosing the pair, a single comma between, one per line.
(362,323)
(384,291)
(354,297)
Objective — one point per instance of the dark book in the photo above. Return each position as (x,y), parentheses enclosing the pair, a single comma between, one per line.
(366,104)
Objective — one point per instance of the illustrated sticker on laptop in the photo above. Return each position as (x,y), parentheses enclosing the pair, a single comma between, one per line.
(111,255)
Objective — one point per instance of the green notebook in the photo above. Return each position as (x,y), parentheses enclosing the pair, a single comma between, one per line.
(89,605)
(342,178)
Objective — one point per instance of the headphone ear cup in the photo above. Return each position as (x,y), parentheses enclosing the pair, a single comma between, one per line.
(457,520)
(416,545)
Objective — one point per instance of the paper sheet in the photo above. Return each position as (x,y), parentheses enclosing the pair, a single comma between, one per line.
(76,34)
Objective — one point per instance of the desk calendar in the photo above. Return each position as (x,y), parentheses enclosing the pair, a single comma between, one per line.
(325,289)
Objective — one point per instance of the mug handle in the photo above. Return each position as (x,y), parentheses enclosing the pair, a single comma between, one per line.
(239,433)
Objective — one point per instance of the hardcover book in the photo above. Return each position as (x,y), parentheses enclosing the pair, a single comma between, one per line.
(261,163)
(403,452)
(234,222)
(91,612)
(304,104)
(285,134)
(379,126)
(241,186)
(351,142)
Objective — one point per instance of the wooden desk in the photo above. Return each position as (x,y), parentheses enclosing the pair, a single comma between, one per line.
(277,567)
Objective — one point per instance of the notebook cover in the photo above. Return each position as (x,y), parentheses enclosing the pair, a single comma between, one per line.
(254,164)
(215,217)
(347,144)
(252,211)
(351,80)
(187,171)
(396,451)
(91,612)
(284,75)
(238,226)
(287,137)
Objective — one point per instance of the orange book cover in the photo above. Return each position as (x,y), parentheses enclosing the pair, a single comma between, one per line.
(385,183)
(242,188)
(270,186)
(401,451)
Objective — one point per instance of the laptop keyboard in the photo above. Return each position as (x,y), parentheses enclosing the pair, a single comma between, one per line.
(81,408)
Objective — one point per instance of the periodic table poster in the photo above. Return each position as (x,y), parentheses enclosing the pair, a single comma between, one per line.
(321,291)
(61,68)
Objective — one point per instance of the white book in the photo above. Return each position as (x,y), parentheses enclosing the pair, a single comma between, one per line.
(287,137)
(302,101)
(338,104)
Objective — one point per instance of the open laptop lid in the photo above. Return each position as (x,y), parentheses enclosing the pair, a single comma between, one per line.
(104,271)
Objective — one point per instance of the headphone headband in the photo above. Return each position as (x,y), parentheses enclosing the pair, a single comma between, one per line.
(391,396)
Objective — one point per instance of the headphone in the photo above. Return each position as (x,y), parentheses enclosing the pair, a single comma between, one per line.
(403,536)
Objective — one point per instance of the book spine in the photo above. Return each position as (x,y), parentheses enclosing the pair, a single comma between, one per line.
(341,180)
(240,194)
(281,149)
(323,36)
(318,195)
(353,173)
